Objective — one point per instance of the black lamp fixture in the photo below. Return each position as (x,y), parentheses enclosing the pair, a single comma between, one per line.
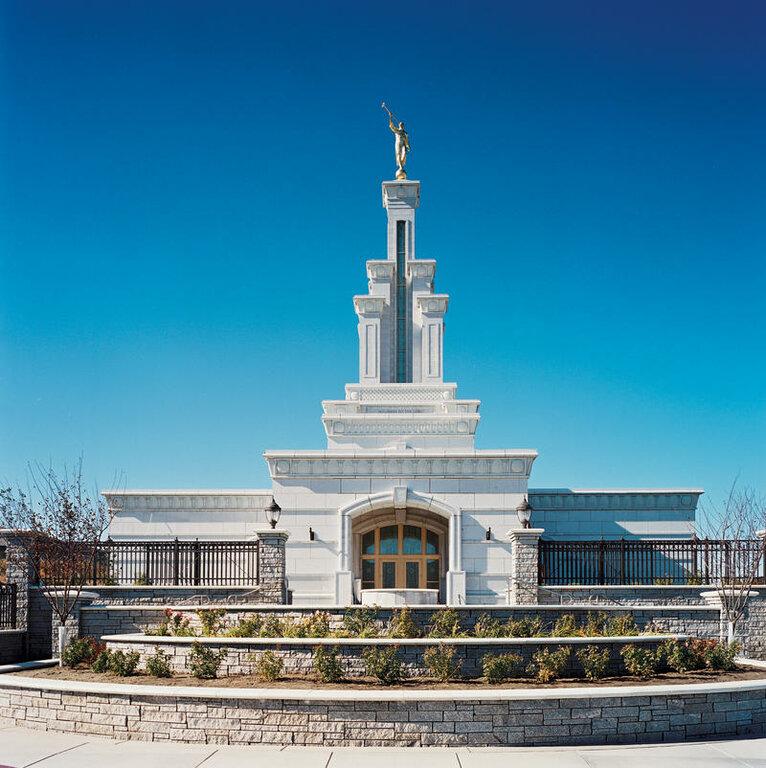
(488,534)
(311,534)
(273,513)
(524,512)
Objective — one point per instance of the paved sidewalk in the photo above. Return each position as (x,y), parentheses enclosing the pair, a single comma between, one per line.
(20,748)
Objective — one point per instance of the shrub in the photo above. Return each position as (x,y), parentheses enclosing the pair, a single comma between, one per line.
(123,664)
(81,650)
(565,626)
(486,626)
(268,666)
(500,667)
(211,620)
(721,656)
(249,627)
(142,580)
(316,624)
(158,665)
(621,626)
(531,626)
(384,664)
(547,665)
(595,625)
(441,663)
(639,661)
(402,625)
(101,662)
(272,626)
(326,664)
(174,624)
(204,662)
(594,660)
(683,656)
(445,623)
(360,622)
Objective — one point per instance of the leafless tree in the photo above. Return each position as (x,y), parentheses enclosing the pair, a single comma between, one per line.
(57,524)
(739,524)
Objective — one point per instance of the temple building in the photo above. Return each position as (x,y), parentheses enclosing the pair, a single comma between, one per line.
(401,507)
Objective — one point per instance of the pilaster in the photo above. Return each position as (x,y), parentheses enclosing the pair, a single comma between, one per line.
(524,565)
(271,565)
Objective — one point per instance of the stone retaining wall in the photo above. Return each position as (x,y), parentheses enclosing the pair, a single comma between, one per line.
(242,653)
(332,719)
(12,645)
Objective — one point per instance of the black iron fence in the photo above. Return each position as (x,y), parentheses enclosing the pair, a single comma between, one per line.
(176,563)
(656,561)
(7,606)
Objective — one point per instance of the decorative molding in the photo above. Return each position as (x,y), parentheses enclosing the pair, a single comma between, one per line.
(421,269)
(369,305)
(473,465)
(433,304)
(380,269)
(401,393)
(187,500)
(430,424)
(614,500)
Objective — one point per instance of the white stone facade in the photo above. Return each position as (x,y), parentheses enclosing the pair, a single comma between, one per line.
(400,456)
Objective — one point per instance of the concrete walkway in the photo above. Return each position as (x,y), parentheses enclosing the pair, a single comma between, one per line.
(20,747)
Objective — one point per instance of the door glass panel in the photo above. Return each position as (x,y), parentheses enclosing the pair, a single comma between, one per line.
(388,575)
(368,543)
(368,574)
(432,543)
(389,540)
(411,543)
(432,574)
(413,575)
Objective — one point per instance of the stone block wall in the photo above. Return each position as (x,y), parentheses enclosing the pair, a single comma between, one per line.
(550,719)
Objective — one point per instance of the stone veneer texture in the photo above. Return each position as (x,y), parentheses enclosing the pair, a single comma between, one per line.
(590,719)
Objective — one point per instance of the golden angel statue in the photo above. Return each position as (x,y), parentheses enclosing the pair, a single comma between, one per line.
(401,145)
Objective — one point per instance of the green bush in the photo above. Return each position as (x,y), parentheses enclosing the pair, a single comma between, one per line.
(595,625)
(315,624)
(530,626)
(211,620)
(441,663)
(268,666)
(487,626)
(594,660)
(621,626)
(204,662)
(445,623)
(101,662)
(547,665)
(326,663)
(721,656)
(158,665)
(80,650)
(384,664)
(249,627)
(639,661)
(360,622)
(124,664)
(565,626)
(683,656)
(402,625)
(498,668)
(272,626)
(174,624)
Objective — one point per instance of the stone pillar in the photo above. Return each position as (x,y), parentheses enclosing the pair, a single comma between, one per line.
(271,565)
(524,562)
(455,575)
(72,623)
(19,572)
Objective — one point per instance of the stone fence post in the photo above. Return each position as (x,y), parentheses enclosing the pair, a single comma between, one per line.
(19,572)
(524,565)
(271,565)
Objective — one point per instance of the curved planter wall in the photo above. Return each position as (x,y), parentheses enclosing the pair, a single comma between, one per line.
(388,718)
(296,653)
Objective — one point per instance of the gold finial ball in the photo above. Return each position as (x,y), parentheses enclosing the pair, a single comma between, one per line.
(401,174)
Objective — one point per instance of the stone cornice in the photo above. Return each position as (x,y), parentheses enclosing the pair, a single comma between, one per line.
(401,424)
(423,269)
(410,463)
(187,499)
(617,500)
(433,304)
(369,306)
(380,269)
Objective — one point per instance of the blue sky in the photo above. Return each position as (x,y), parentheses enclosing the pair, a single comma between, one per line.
(190,190)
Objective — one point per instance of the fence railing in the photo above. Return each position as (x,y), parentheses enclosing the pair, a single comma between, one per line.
(7,606)
(177,563)
(657,561)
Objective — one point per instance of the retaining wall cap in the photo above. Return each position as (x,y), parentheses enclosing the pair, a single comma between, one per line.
(173,640)
(333,695)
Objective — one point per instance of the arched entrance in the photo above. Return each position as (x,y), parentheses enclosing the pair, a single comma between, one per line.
(399,536)
(400,550)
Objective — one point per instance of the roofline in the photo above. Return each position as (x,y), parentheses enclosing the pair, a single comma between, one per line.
(616,490)
(188,492)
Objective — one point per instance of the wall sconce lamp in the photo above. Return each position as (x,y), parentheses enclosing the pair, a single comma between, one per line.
(488,534)
(311,534)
